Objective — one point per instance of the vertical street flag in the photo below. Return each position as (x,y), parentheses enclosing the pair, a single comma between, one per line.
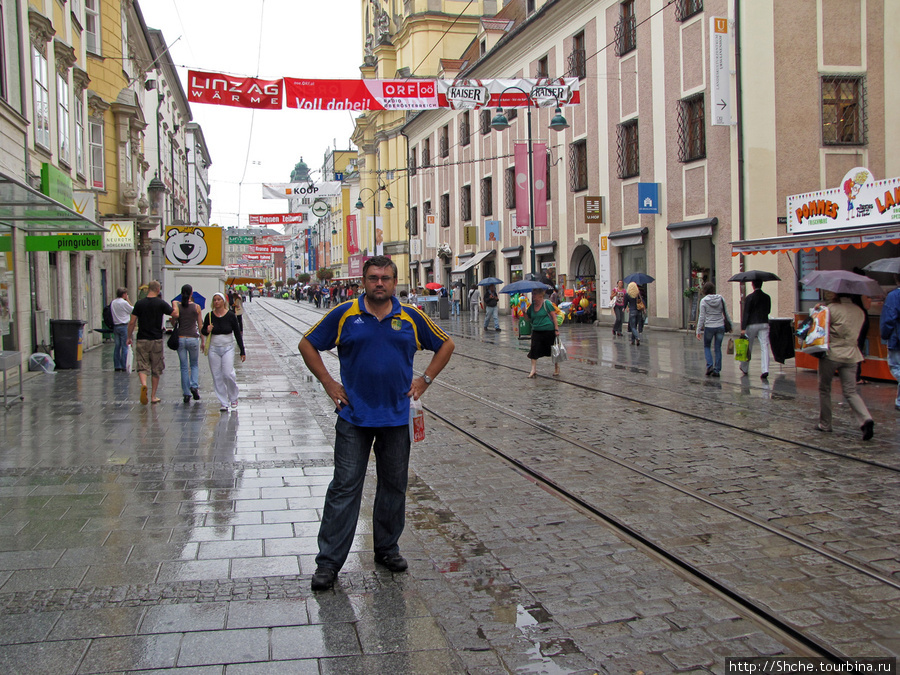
(352,236)
(539,166)
(521,169)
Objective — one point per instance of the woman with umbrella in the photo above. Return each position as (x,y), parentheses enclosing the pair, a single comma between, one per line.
(544,329)
(635,305)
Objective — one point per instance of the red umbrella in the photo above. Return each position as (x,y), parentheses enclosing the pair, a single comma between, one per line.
(433,285)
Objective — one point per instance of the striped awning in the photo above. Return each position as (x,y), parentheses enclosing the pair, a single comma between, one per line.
(819,241)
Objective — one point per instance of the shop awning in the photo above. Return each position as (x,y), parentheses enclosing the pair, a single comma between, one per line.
(471,262)
(545,247)
(818,241)
(511,252)
(27,209)
(630,237)
(692,229)
(231,281)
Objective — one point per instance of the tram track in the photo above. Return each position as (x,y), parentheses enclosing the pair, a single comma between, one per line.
(800,639)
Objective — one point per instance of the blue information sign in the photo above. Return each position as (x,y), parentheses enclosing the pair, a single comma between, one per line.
(648,197)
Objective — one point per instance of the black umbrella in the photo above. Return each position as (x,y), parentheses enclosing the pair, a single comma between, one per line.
(755,275)
(639,278)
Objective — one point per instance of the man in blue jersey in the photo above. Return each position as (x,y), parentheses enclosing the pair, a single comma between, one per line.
(376,338)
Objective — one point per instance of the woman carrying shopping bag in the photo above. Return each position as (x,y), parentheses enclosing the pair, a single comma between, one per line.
(223,329)
(544,329)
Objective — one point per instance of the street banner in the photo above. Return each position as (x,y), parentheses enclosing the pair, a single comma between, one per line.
(539,167)
(520,155)
(257,256)
(720,71)
(352,236)
(254,248)
(542,92)
(275,238)
(240,92)
(294,190)
(260,219)
(408,94)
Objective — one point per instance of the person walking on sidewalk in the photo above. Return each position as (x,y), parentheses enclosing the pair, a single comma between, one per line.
(189,342)
(220,325)
(148,315)
(491,299)
(845,320)
(544,329)
(755,324)
(635,305)
(376,339)
(619,308)
(712,325)
(121,312)
(890,333)
(474,304)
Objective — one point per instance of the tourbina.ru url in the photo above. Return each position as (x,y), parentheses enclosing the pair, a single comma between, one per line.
(804,664)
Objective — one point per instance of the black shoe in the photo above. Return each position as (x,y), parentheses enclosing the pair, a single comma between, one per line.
(709,371)
(195,393)
(187,399)
(497,329)
(868,429)
(764,376)
(715,373)
(323,579)
(638,343)
(393,561)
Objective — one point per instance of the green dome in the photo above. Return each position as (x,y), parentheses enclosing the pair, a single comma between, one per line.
(300,173)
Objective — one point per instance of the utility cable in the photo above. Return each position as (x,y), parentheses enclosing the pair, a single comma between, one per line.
(262,11)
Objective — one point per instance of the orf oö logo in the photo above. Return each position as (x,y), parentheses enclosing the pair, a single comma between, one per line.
(185,247)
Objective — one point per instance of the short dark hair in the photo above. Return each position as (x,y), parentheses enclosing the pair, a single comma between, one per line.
(756,283)
(709,288)
(380,261)
(121,292)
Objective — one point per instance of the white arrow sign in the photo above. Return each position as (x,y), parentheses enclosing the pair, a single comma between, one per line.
(720,71)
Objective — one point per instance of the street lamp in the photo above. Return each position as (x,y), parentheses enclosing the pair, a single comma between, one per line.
(558,123)
(360,206)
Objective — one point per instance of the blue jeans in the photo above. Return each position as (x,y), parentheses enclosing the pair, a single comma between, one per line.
(189,356)
(711,335)
(342,500)
(491,312)
(894,364)
(120,333)
(634,325)
(454,307)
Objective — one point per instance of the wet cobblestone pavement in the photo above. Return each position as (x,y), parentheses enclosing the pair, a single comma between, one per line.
(175,538)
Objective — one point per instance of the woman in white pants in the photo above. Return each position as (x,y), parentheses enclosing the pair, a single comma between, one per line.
(223,328)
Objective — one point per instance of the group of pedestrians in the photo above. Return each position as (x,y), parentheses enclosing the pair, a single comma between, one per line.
(215,334)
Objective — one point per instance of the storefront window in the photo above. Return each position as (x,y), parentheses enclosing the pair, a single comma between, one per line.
(516,269)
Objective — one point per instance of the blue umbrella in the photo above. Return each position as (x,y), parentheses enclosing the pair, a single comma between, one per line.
(490,281)
(199,299)
(524,287)
(639,278)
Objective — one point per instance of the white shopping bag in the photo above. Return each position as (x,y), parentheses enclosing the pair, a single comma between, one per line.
(129,359)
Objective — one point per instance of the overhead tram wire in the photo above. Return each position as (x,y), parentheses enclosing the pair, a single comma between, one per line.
(262,11)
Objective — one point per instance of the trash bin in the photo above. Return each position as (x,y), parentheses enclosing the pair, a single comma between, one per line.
(68,341)
(781,339)
(524,328)
(444,307)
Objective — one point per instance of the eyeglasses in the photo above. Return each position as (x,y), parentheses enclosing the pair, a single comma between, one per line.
(375,280)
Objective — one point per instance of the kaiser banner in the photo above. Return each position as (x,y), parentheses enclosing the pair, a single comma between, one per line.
(472,94)
(259,219)
(240,92)
(411,94)
(293,190)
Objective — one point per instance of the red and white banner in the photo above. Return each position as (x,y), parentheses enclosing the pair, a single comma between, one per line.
(274,238)
(411,94)
(241,92)
(295,190)
(508,93)
(257,256)
(266,249)
(352,236)
(275,219)
(539,168)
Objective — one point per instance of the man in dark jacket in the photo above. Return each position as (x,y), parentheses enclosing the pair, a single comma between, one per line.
(755,323)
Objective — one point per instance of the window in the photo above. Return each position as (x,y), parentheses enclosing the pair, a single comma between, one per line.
(543,67)
(577,66)
(426,152)
(92,26)
(414,221)
(511,113)
(465,203)
(62,116)
(485,121)
(129,163)
(482,48)
(412,162)
(843,111)
(509,188)
(691,129)
(529,6)
(626,29)
(487,196)
(79,136)
(444,141)
(685,9)
(2,55)
(629,164)
(41,99)
(95,143)
(578,174)
(464,129)
(445,210)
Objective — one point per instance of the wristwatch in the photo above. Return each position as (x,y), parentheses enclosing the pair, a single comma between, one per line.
(427,379)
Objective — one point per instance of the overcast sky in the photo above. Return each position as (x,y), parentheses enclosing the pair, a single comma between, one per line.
(269,39)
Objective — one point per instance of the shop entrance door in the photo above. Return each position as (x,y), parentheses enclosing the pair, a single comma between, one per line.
(697,267)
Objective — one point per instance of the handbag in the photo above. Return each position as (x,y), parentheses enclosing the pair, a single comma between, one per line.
(640,305)
(558,352)
(172,342)
(730,348)
(728,327)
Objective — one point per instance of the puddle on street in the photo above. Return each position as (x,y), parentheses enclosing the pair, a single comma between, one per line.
(541,652)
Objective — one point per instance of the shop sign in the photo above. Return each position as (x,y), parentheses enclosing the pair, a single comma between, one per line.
(492,230)
(470,235)
(720,71)
(240,241)
(84,202)
(64,242)
(648,198)
(189,246)
(261,219)
(860,201)
(266,249)
(5,243)
(593,209)
(120,236)
(56,184)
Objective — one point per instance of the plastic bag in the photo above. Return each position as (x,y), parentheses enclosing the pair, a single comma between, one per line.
(41,361)
(558,352)
(742,349)
(729,349)
(129,358)
(815,338)
(416,420)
